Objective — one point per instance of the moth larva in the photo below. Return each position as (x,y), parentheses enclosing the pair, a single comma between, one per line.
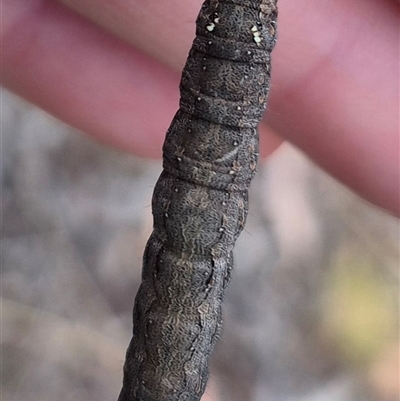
(200,201)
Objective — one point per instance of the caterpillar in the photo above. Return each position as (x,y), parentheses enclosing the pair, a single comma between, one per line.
(200,201)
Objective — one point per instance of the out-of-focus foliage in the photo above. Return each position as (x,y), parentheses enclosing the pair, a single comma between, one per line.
(362,314)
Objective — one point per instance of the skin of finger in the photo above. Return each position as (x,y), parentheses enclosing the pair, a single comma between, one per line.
(335,64)
(298,126)
(164,30)
(87,78)
(340,101)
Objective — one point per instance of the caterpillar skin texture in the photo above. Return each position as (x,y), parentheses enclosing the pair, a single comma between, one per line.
(200,201)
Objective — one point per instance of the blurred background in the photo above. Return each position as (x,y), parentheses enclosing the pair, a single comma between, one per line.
(311,314)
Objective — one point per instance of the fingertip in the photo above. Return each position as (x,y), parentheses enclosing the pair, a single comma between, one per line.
(269,140)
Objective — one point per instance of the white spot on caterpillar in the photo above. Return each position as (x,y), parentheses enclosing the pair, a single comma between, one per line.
(210,27)
(256,34)
(216,20)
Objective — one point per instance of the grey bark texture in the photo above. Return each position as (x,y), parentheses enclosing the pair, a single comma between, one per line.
(200,201)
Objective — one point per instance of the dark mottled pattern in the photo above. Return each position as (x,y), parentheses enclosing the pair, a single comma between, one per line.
(200,201)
